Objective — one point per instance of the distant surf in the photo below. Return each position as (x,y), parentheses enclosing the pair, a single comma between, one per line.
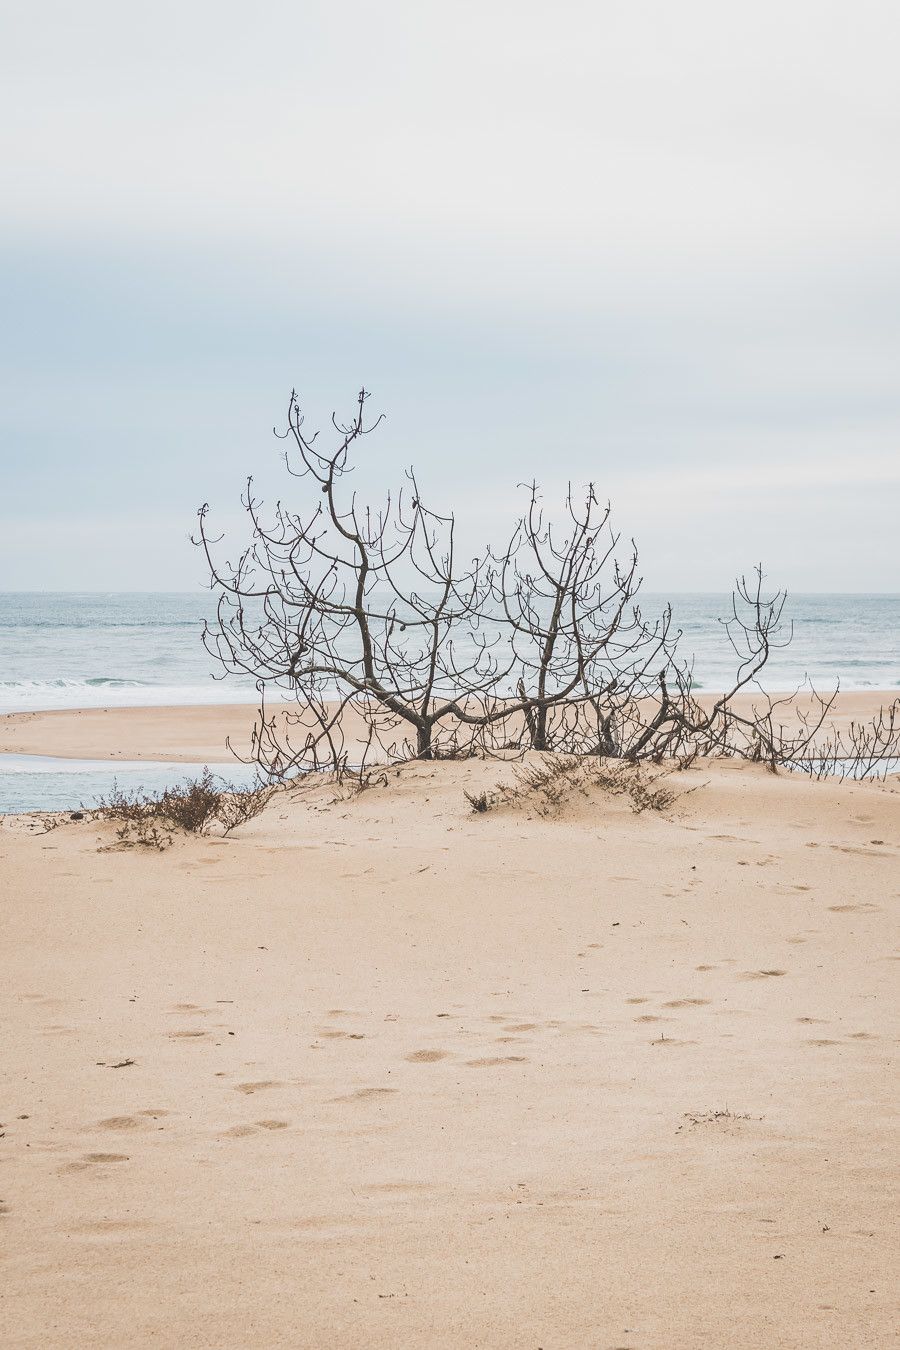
(37,695)
(91,650)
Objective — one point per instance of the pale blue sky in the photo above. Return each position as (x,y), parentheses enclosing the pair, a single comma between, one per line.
(653,245)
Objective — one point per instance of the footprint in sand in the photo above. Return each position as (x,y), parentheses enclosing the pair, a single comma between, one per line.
(864,908)
(186,1035)
(106,1157)
(121,1123)
(492,1060)
(248,1088)
(425,1056)
(761,974)
(245,1131)
(335,1035)
(812,1021)
(366,1094)
(108,1227)
(687,1003)
(651,1017)
(822,1042)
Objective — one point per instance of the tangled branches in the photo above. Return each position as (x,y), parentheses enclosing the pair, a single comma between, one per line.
(356,612)
(389,646)
(863,750)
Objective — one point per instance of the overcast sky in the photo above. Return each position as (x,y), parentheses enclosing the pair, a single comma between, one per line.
(648,244)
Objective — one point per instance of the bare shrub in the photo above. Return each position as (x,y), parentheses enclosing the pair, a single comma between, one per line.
(191,806)
(354,610)
(482,801)
(354,782)
(150,821)
(392,647)
(864,750)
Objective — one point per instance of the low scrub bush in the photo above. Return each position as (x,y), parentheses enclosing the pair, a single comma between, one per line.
(195,806)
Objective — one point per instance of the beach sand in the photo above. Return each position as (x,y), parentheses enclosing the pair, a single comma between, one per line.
(199,733)
(378,1071)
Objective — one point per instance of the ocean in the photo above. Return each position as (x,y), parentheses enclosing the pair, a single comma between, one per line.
(75,650)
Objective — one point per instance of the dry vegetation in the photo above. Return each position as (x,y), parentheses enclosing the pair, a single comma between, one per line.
(548,785)
(197,806)
(536,643)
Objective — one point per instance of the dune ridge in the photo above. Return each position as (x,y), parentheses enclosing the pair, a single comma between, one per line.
(379,1070)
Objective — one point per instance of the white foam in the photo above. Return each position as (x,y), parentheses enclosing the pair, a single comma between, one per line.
(43,696)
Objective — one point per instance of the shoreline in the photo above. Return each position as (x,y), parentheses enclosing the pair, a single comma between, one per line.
(196,733)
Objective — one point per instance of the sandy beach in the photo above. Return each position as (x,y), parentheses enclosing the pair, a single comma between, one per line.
(380,1071)
(493,385)
(198,733)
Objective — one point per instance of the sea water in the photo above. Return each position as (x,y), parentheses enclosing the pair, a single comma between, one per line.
(70,650)
(44,783)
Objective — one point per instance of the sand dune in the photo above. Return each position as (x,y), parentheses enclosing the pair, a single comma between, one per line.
(378,1071)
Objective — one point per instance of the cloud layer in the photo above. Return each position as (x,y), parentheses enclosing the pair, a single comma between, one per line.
(654,246)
